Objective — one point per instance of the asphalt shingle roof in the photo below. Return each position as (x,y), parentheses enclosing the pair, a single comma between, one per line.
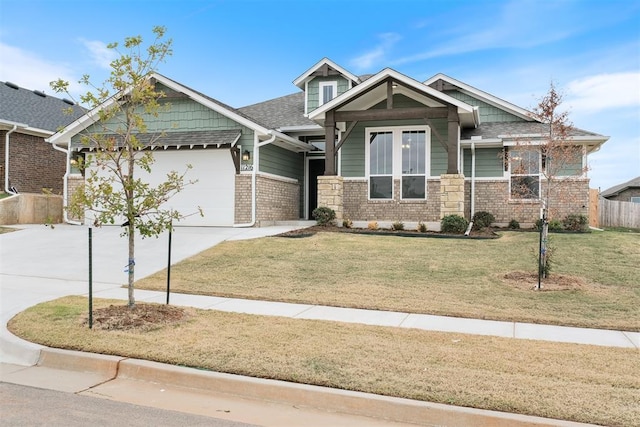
(492,130)
(635,182)
(42,112)
(280,112)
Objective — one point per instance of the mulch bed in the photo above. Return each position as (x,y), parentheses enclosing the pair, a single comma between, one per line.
(143,317)
(555,282)
(486,233)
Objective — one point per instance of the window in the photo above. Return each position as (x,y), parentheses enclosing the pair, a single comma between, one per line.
(397,153)
(525,173)
(635,200)
(328,91)
(413,164)
(381,165)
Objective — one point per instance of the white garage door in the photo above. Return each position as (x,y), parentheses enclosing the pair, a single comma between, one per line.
(213,193)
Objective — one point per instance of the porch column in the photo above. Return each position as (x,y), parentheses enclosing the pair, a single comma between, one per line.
(451,195)
(453,149)
(330,144)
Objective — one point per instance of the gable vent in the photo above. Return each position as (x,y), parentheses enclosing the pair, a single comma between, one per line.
(68,101)
(12,85)
(39,93)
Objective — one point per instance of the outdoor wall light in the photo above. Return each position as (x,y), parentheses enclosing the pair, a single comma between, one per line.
(246,156)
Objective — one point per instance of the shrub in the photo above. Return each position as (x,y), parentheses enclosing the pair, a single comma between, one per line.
(575,222)
(372,225)
(422,227)
(347,223)
(554,225)
(397,226)
(514,225)
(454,224)
(482,220)
(324,215)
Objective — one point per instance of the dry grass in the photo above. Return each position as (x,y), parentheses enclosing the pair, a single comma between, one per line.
(453,277)
(564,381)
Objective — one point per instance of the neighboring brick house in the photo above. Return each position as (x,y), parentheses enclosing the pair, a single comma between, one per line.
(381,147)
(26,118)
(625,192)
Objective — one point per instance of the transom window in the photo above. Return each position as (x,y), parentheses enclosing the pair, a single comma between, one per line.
(397,153)
(328,91)
(525,173)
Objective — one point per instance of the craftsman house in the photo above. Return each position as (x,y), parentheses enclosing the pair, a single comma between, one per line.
(381,147)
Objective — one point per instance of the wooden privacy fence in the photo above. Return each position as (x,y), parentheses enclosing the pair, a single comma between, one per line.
(612,213)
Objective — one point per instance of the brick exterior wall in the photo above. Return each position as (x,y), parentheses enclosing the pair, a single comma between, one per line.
(73,183)
(357,207)
(33,164)
(572,197)
(242,211)
(277,199)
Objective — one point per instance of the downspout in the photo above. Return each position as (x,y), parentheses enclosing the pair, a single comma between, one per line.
(65,185)
(7,188)
(473,187)
(256,162)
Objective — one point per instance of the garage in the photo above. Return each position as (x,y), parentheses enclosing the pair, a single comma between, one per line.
(214,171)
(214,190)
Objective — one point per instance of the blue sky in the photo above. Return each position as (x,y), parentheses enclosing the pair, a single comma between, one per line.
(242,52)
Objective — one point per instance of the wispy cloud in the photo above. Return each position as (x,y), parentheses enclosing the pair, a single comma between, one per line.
(30,71)
(378,54)
(99,53)
(605,91)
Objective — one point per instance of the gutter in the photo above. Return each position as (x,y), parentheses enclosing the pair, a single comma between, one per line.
(65,185)
(7,188)
(256,162)
(473,186)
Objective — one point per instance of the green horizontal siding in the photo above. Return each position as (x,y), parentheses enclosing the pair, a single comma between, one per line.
(313,89)
(488,113)
(438,152)
(278,161)
(489,162)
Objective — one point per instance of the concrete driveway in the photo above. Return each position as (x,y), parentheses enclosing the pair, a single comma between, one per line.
(40,263)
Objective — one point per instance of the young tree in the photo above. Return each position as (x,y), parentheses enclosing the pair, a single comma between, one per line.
(541,167)
(118,142)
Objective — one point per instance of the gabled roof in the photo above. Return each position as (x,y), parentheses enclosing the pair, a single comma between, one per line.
(408,86)
(230,112)
(41,114)
(635,182)
(481,95)
(324,62)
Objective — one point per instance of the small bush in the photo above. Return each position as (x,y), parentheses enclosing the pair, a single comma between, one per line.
(347,223)
(514,225)
(482,220)
(397,226)
(554,225)
(453,224)
(324,215)
(372,225)
(422,227)
(575,223)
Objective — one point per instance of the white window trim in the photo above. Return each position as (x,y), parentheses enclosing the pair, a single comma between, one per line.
(321,86)
(396,167)
(539,175)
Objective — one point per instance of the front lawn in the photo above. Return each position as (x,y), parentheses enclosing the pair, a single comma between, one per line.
(453,277)
(564,381)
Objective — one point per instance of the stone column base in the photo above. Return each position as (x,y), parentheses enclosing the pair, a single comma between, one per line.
(330,194)
(451,195)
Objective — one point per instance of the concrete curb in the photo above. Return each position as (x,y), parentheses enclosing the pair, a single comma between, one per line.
(301,395)
(17,351)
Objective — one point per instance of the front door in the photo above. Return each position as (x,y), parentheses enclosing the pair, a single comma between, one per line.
(316,168)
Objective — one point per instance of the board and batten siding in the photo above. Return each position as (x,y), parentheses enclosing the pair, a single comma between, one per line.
(489,163)
(488,113)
